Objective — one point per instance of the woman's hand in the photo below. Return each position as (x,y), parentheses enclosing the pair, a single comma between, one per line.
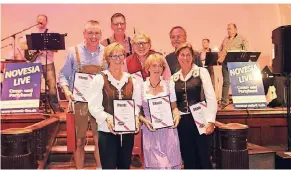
(176,114)
(209,128)
(177,118)
(110,125)
(147,123)
(137,124)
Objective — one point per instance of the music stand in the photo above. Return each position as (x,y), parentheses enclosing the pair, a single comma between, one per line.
(242,56)
(211,58)
(46,41)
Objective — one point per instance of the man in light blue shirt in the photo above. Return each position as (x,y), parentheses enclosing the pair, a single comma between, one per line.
(85,57)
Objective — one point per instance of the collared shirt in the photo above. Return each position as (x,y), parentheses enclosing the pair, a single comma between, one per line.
(42,57)
(203,55)
(95,101)
(70,67)
(125,43)
(208,91)
(174,65)
(236,43)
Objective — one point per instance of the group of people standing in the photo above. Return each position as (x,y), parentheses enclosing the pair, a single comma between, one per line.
(120,56)
(180,75)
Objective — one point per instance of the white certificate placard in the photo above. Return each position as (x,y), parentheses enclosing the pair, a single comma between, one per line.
(138,77)
(197,111)
(161,112)
(124,117)
(82,85)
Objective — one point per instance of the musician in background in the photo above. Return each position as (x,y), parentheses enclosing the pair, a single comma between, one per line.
(232,42)
(205,48)
(49,68)
(118,26)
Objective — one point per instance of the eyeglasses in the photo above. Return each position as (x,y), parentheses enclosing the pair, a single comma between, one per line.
(119,23)
(117,57)
(141,43)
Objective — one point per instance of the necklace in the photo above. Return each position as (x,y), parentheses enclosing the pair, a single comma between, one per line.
(141,63)
(154,87)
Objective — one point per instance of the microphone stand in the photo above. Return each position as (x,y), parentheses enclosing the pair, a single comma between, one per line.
(6,46)
(13,36)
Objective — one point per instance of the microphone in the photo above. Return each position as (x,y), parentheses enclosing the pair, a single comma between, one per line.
(39,23)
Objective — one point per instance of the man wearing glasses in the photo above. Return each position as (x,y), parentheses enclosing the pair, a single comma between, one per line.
(118,25)
(178,36)
(85,57)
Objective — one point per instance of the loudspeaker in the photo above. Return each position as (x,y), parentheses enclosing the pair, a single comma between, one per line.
(281,38)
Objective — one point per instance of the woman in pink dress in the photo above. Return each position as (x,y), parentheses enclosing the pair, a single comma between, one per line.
(160,146)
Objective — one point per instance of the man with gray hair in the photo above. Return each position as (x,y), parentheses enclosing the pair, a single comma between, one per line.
(85,57)
(178,36)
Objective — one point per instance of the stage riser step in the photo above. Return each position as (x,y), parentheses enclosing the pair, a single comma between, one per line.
(71,165)
(63,134)
(63,141)
(68,157)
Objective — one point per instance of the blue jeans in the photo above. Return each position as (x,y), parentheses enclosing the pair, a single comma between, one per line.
(49,73)
(226,84)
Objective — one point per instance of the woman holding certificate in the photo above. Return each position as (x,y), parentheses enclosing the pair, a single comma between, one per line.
(114,103)
(161,117)
(197,104)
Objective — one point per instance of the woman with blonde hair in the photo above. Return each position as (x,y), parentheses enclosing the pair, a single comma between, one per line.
(107,87)
(160,146)
(134,64)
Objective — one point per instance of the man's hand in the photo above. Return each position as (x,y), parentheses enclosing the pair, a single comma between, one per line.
(68,93)
(221,56)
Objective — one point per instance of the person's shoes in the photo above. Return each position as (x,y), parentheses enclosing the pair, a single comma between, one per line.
(223,105)
(58,108)
(136,161)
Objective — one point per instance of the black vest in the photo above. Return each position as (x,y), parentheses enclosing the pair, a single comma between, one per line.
(192,94)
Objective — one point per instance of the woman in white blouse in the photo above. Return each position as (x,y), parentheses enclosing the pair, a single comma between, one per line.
(113,84)
(193,87)
(160,146)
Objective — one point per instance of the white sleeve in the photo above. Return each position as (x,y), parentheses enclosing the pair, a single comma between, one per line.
(136,96)
(209,95)
(95,101)
(172,91)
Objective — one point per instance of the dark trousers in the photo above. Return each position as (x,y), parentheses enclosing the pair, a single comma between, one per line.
(195,148)
(49,73)
(112,154)
(226,84)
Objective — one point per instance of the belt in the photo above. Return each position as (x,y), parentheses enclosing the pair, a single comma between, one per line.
(184,113)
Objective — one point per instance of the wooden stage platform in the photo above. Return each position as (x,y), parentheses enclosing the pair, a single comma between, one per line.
(267,126)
